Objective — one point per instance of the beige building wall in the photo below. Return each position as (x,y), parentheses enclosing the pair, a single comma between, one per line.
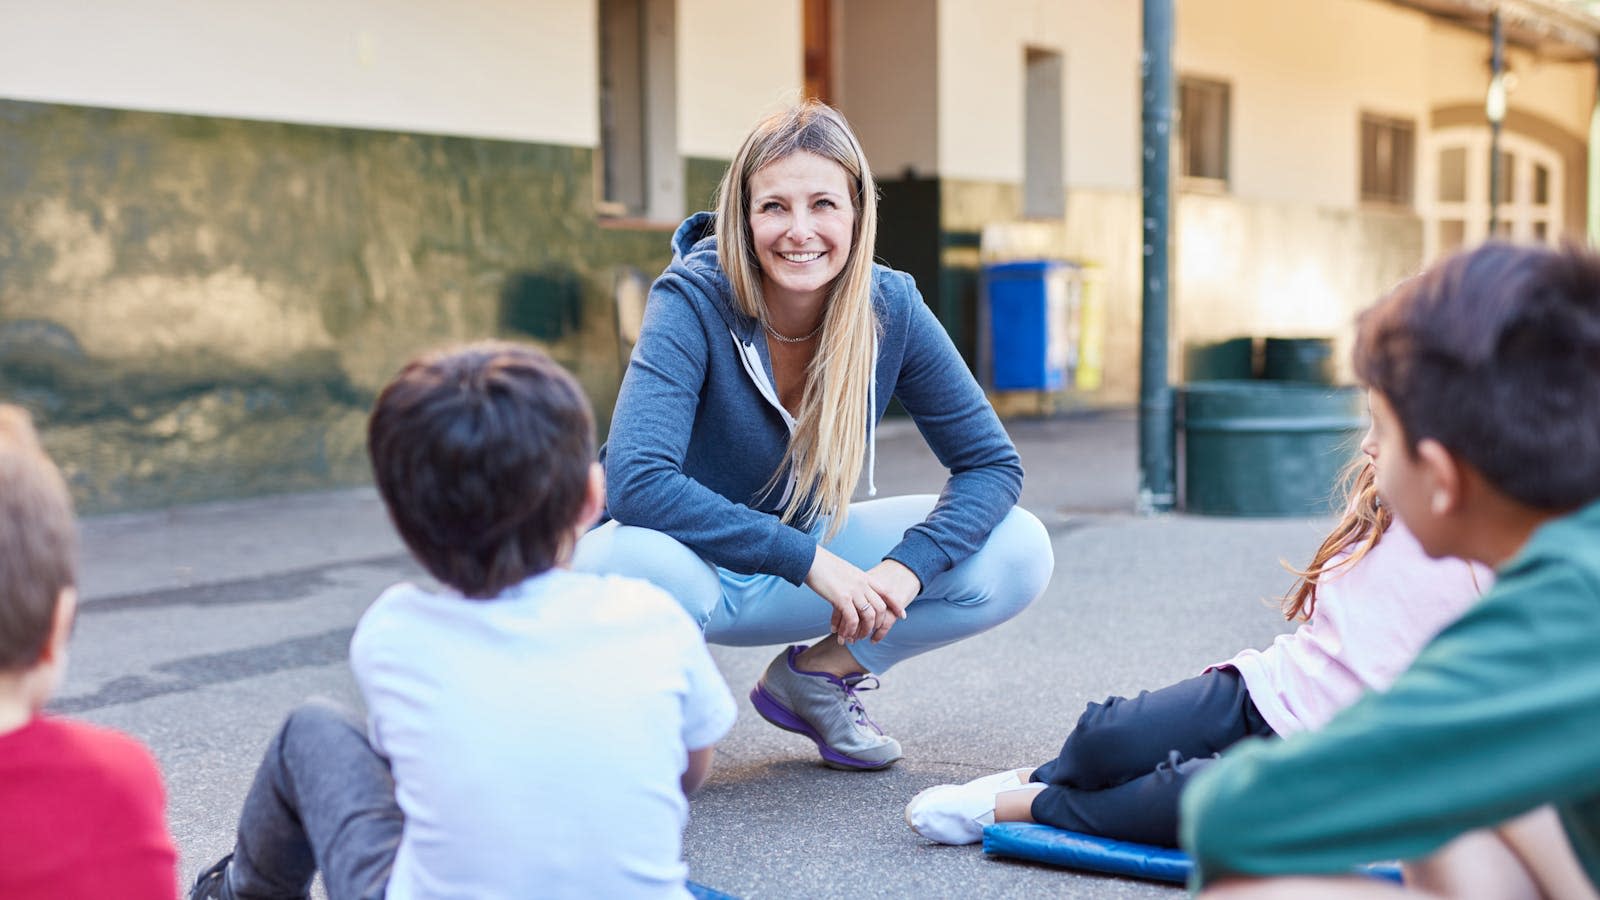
(1103,118)
(490,68)
(1301,75)
(1288,249)
(890,68)
(1560,92)
(981,51)
(737,61)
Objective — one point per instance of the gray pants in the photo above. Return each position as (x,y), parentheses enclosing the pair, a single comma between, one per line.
(322,799)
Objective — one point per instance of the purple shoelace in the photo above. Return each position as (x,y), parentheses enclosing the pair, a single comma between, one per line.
(859,683)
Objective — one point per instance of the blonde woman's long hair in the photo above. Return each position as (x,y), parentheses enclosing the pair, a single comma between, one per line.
(830,435)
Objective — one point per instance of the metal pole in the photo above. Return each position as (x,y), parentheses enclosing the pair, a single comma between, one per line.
(1157,439)
(1594,163)
(1497,70)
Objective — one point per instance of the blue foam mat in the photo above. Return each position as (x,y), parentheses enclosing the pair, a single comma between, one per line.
(1042,843)
(701,892)
(1053,846)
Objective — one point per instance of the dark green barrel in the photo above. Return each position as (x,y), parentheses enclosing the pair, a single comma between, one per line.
(1261,448)
(1229,359)
(1297,359)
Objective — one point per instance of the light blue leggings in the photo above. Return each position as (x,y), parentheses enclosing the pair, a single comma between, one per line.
(998,581)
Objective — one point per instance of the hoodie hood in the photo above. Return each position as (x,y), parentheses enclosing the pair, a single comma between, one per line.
(700,228)
(694,259)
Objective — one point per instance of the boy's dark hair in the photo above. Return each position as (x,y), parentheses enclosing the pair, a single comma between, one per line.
(38,541)
(482,456)
(1495,354)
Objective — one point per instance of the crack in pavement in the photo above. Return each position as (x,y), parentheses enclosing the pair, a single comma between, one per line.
(195,672)
(275,588)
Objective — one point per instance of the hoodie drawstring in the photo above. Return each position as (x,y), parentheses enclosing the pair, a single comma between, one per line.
(872,423)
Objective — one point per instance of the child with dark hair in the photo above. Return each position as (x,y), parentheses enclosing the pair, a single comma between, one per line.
(1481,764)
(1368,602)
(530,731)
(81,808)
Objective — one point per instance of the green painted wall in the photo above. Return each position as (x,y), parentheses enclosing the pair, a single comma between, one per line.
(700,181)
(196,308)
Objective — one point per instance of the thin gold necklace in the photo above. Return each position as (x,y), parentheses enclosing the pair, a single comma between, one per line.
(789,340)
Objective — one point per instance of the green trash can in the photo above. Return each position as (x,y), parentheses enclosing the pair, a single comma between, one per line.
(1261,448)
(1219,360)
(1297,359)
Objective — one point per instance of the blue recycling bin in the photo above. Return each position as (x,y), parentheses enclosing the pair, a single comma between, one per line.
(1031,317)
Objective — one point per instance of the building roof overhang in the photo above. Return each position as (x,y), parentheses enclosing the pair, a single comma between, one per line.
(1552,28)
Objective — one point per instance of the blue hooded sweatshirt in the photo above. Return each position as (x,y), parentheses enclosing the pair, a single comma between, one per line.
(698,431)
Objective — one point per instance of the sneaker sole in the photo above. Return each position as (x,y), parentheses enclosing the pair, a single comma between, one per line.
(770,709)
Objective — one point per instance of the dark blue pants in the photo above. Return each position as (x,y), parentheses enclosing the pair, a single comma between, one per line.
(1122,768)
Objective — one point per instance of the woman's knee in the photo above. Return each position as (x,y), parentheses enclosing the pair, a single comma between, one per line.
(652,556)
(1014,565)
(1029,556)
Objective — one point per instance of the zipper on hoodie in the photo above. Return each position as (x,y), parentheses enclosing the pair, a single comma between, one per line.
(753,367)
(757,370)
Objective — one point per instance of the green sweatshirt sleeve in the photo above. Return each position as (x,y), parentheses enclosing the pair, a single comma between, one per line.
(1499,714)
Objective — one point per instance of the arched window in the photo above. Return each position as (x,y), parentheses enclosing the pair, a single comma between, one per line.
(1455,190)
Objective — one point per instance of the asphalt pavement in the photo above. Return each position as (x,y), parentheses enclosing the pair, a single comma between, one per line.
(202,626)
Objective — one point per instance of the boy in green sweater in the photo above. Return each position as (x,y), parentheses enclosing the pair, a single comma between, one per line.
(1481,765)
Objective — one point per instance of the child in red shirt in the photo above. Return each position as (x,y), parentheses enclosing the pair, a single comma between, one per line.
(81,807)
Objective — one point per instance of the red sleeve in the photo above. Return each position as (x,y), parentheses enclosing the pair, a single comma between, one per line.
(82,815)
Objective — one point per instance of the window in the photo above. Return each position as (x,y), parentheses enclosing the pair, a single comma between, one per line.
(1203,130)
(640,170)
(1453,175)
(1043,181)
(1454,193)
(1388,160)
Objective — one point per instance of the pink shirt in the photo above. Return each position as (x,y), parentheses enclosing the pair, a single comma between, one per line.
(1370,621)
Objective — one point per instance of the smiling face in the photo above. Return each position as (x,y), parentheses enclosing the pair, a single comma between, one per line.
(801,226)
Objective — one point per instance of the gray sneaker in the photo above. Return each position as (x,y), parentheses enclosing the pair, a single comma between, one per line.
(825,709)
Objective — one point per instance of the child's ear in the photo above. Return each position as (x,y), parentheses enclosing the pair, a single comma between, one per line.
(1444,477)
(55,648)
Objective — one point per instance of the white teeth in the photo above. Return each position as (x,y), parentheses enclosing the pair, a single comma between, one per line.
(800,257)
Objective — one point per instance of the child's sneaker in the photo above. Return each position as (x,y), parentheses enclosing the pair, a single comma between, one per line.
(956,813)
(825,709)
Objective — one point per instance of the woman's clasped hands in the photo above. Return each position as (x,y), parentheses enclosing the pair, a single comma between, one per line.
(866,604)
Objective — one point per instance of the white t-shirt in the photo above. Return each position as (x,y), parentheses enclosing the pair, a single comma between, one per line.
(537,739)
(1370,621)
